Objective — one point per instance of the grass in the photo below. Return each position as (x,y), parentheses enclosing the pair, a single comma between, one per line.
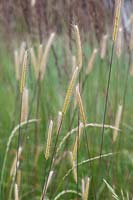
(115,170)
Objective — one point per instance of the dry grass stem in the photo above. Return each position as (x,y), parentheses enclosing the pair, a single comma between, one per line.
(85,188)
(65,192)
(117,122)
(76,129)
(24,109)
(34,61)
(14,164)
(74,64)
(45,55)
(16,195)
(49,140)
(22,52)
(73,163)
(59,121)
(103,46)
(19,178)
(91,61)
(77,141)
(119,43)
(86,161)
(48,183)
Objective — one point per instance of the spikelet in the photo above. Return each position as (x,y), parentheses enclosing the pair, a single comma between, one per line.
(117,122)
(24,108)
(116,19)
(49,139)
(79,48)
(69,92)
(17,65)
(16,196)
(80,104)
(23,73)
(45,55)
(85,188)
(91,61)
(73,163)
(119,43)
(59,120)
(103,46)
(34,61)
(131,32)
(77,141)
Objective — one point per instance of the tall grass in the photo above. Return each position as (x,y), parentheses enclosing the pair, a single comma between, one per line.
(65,158)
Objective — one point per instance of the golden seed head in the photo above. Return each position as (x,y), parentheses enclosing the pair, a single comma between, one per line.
(116,19)
(79,48)
(69,91)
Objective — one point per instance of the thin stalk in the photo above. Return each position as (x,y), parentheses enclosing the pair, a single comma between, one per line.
(78,154)
(37,112)
(106,102)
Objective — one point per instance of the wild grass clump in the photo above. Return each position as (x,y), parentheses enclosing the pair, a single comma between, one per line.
(67,129)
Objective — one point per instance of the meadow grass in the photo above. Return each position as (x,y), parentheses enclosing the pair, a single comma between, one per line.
(34,173)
